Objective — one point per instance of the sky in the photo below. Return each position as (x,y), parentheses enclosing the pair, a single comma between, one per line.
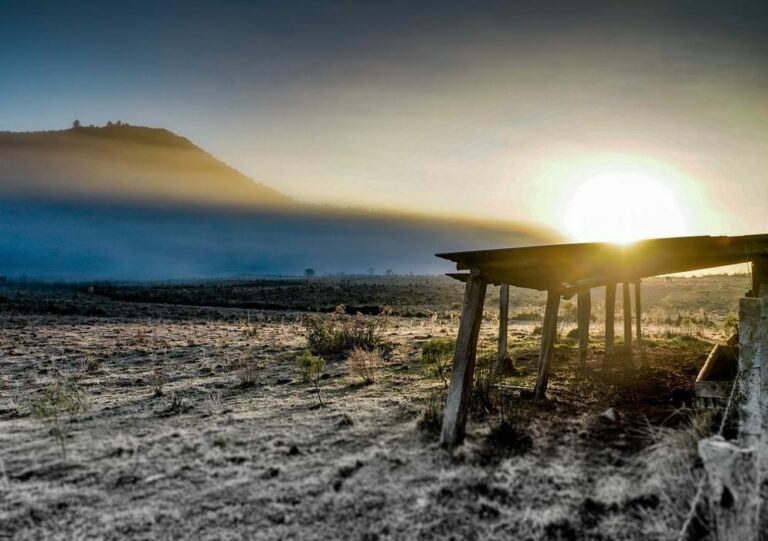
(546,112)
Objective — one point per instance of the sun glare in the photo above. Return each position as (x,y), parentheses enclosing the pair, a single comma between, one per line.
(622,207)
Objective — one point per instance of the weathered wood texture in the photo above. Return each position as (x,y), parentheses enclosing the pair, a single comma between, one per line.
(627,305)
(595,264)
(584,301)
(457,403)
(638,315)
(548,336)
(503,320)
(733,488)
(610,311)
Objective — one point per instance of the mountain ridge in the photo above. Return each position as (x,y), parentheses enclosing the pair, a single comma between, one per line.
(124,162)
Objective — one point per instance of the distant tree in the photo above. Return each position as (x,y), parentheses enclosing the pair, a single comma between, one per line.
(390,272)
(309,273)
(76,124)
(118,123)
(110,123)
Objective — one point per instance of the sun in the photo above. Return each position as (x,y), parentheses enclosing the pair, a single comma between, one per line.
(622,207)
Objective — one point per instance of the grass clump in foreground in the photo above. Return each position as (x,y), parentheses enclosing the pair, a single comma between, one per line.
(436,357)
(57,408)
(364,364)
(670,471)
(339,333)
(312,368)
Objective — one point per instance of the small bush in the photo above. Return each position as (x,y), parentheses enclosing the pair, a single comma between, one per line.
(247,370)
(339,333)
(485,390)
(57,407)
(431,420)
(175,404)
(91,365)
(213,403)
(436,357)
(312,368)
(158,379)
(364,364)
(249,329)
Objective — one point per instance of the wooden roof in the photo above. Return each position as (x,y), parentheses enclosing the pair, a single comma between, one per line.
(591,264)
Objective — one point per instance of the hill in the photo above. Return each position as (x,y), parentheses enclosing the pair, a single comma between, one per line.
(125,202)
(121,162)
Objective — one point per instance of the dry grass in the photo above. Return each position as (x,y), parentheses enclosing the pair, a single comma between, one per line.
(210,461)
(364,364)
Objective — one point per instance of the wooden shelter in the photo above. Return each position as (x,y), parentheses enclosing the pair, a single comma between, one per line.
(565,270)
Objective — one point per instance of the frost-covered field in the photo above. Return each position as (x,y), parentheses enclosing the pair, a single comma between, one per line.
(199,425)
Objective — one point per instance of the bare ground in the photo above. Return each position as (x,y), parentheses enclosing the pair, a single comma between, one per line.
(211,458)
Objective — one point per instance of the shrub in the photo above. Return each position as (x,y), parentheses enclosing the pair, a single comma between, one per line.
(247,370)
(339,333)
(57,408)
(213,403)
(158,379)
(249,329)
(436,357)
(312,368)
(431,420)
(485,389)
(91,365)
(176,403)
(363,364)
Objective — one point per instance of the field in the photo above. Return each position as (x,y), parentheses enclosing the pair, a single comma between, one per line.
(199,424)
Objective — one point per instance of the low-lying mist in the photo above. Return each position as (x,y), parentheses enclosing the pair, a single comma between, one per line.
(74,241)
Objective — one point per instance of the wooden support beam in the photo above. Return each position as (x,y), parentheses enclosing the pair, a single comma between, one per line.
(610,311)
(457,403)
(759,269)
(548,336)
(584,301)
(638,314)
(503,321)
(627,302)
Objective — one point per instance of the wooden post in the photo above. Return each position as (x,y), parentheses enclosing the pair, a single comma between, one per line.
(627,302)
(584,300)
(638,323)
(503,322)
(457,403)
(610,311)
(548,335)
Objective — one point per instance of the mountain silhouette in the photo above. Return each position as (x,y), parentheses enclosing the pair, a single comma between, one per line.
(136,203)
(123,163)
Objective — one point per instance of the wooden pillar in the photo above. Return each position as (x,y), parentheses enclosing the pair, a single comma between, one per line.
(627,302)
(457,403)
(584,300)
(548,335)
(638,319)
(503,321)
(610,311)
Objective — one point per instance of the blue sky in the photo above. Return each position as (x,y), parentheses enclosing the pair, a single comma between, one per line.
(484,108)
